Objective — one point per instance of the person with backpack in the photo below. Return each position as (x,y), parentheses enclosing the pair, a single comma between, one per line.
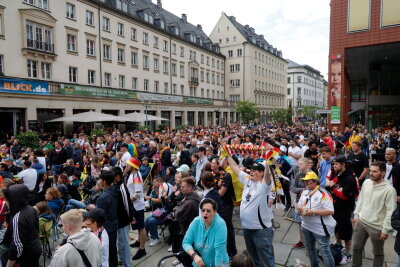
(373,213)
(343,187)
(317,225)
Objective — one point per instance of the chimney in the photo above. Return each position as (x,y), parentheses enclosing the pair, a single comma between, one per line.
(246,26)
(252,29)
(184,17)
(159,3)
(262,37)
(233,18)
(199,27)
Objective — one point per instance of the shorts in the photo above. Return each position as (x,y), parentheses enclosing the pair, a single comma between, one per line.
(139,218)
(343,228)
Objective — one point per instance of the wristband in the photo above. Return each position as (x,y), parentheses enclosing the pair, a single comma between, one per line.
(194,254)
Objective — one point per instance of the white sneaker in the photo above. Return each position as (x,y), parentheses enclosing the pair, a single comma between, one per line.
(154,242)
(346,258)
(170,249)
(176,262)
(180,265)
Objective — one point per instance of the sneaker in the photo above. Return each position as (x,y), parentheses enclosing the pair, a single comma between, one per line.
(346,258)
(180,265)
(139,254)
(176,262)
(298,245)
(154,242)
(287,208)
(170,249)
(135,245)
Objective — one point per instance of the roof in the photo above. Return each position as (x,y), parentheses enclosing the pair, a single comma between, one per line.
(293,64)
(137,8)
(251,36)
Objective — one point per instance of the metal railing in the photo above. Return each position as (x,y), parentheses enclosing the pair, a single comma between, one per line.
(40,46)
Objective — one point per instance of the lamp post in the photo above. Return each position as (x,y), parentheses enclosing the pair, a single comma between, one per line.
(146,106)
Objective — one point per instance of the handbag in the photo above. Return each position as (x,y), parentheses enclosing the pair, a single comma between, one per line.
(160,213)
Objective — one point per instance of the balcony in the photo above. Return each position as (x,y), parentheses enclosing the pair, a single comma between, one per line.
(194,81)
(40,46)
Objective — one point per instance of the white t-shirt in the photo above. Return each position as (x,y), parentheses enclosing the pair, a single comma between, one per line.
(296,151)
(42,160)
(126,156)
(254,211)
(165,188)
(320,200)
(135,185)
(28,177)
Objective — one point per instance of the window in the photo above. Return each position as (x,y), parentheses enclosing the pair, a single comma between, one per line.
(162,24)
(134,59)
(176,30)
(107,52)
(212,62)
(174,89)
(173,68)
(182,52)
(71,42)
(208,61)
(156,64)
(89,18)
(91,76)
(122,5)
(31,2)
(155,42)
(182,71)
(145,38)
(208,77)
(165,45)
(107,79)
(146,85)
(208,93)
(46,71)
(156,86)
(73,74)
(165,66)
(44,4)
(173,49)
(134,83)
(299,90)
(182,89)
(106,24)
(202,76)
(230,53)
(133,34)
(202,92)
(213,93)
(90,48)
(120,30)
(70,11)
(237,67)
(239,52)
(202,59)
(145,62)
(121,55)
(227,40)
(288,91)
(121,81)
(299,79)
(1,65)
(165,87)
(39,37)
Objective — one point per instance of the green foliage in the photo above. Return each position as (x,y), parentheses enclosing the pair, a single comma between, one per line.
(29,139)
(97,132)
(182,127)
(283,115)
(248,111)
(161,126)
(310,112)
(143,128)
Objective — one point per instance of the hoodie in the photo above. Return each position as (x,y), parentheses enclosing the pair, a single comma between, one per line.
(39,168)
(68,255)
(376,204)
(108,201)
(211,243)
(23,230)
(55,205)
(186,211)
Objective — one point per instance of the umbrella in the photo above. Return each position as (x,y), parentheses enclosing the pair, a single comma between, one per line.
(90,116)
(138,117)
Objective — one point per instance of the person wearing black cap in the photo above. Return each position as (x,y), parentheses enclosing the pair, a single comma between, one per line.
(343,187)
(258,233)
(94,220)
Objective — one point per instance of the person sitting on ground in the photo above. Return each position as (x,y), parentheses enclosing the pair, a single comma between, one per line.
(82,245)
(94,220)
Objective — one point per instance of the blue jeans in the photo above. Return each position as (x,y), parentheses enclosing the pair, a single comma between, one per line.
(55,169)
(366,151)
(74,204)
(163,171)
(151,224)
(123,246)
(259,246)
(310,239)
(398,260)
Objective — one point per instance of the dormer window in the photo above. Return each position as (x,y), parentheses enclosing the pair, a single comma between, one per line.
(162,24)
(151,19)
(192,38)
(121,5)
(146,17)
(176,30)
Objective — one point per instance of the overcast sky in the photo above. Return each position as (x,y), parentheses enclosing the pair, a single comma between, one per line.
(300,29)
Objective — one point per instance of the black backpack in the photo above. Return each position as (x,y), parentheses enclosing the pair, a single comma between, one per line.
(336,251)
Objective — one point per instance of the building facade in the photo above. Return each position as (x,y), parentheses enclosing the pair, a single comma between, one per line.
(59,58)
(254,69)
(305,87)
(364,63)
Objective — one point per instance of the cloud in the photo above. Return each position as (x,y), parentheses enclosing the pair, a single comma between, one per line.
(300,29)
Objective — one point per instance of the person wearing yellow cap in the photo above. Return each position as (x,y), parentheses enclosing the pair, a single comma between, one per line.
(316,209)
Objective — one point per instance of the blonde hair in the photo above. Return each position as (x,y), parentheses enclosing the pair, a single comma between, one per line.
(72,217)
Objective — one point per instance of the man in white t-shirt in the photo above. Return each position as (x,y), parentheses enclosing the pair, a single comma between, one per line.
(294,153)
(126,156)
(28,175)
(255,214)
(390,156)
(135,188)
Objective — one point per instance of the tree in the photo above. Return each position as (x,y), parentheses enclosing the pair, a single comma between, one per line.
(248,111)
(29,139)
(310,112)
(283,115)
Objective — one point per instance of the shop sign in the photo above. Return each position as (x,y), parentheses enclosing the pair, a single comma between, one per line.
(335,115)
(24,87)
(67,89)
(158,98)
(201,101)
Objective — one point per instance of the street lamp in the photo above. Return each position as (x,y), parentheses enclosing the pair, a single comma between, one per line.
(146,106)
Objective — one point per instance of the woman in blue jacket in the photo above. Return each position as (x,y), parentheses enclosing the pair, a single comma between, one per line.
(205,240)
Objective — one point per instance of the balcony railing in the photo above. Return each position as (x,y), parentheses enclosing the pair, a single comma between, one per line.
(40,46)
(194,79)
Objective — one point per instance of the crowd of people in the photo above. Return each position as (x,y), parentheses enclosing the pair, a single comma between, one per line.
(99,189)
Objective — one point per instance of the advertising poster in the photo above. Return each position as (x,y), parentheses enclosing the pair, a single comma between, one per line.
(335,83)
(17,86)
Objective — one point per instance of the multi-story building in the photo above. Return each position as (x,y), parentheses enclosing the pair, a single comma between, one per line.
(255,70)
(59,58)
(364,62)
(305,87)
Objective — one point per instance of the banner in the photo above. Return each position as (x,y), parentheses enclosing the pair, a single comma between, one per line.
(159,98)
(335,115)
(335,86)
(201,101)
(67,89)
(24,87)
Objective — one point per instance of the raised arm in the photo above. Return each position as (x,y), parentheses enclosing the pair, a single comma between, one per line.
(233,165)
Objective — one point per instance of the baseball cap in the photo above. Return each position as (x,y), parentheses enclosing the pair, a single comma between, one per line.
(248,162)
(183,168)
(9,159)
(145,158)
(340,159)
(310,176)
(283,149)
(257,167)
(97,215)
